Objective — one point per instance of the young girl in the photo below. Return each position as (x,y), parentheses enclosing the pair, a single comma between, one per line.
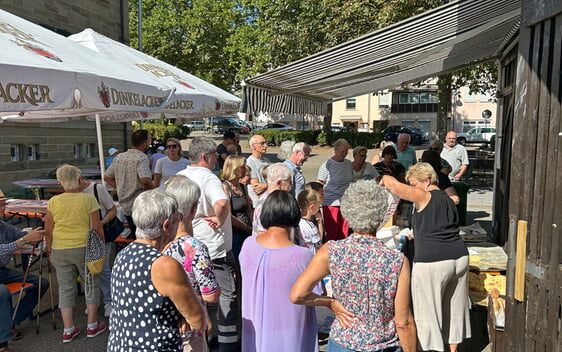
(310,235)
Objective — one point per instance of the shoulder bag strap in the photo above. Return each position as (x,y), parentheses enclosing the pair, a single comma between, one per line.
(96,195)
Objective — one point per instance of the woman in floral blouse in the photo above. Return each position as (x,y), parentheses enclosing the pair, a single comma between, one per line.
(191,253)
(371,283)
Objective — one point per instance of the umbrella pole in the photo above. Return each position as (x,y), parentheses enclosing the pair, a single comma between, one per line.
(100,146)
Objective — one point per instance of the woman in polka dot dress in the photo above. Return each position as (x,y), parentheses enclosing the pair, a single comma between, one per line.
(152,295)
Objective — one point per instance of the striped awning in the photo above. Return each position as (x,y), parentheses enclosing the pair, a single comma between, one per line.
(445,39)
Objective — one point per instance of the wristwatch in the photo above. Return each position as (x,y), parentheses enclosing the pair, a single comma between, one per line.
(22,241)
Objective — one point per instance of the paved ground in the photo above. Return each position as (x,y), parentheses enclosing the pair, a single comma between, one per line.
(479,208)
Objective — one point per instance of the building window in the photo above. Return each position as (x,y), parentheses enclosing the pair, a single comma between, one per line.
(414,102)
(383,99)
(77,151)
(350,104)
(90,150)
(33,152)
(16,151)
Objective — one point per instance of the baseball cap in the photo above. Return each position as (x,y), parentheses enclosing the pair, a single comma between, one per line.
(112,151)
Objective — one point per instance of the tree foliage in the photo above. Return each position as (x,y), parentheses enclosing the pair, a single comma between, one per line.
(227,41)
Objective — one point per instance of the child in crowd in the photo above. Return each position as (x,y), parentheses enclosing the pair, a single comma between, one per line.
(310,234)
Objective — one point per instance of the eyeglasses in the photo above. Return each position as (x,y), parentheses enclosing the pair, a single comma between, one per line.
(171,146)
(261,143)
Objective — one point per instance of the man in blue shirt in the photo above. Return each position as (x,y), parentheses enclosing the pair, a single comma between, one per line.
(406,154)
(12,239)
(298,157)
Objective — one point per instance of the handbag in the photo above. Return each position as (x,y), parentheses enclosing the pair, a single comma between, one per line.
(114,227)
(95,253)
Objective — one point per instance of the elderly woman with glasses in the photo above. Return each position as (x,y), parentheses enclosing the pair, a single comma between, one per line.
(361,169)
(170,165)
(371,283)
(153,300)
(68,220)
(440,270)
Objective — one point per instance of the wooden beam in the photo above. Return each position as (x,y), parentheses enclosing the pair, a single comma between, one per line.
(520,260)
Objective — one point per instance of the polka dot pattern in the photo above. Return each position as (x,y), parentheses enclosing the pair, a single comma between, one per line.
(141,318)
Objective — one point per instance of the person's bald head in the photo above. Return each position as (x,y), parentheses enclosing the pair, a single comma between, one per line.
(402,142)
(451,139)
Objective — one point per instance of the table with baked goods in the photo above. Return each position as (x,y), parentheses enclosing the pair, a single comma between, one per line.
(488,263)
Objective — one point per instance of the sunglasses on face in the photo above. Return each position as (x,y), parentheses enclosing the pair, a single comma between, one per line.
(171,146)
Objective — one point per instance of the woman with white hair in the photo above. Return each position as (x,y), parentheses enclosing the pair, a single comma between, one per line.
(191,253)
(68,220)
(362,170)
(440,270)
(371,283)
(335,174)
(153,301)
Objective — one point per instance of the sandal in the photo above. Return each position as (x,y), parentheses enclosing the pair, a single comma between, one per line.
(16,335)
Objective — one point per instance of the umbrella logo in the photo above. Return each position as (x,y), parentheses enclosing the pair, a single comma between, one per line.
(103,92)
(42,52)
(185,84)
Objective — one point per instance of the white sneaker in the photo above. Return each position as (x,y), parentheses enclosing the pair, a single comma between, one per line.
(107,310)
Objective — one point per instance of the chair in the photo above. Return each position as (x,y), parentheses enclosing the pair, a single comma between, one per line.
(15,288)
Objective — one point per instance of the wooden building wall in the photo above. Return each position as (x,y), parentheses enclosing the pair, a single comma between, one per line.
(535,181)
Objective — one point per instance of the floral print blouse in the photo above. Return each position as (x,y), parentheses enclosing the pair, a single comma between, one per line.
(194,257)
(364,280)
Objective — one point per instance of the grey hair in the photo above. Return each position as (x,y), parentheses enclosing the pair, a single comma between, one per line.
(301,147)
(358,150)
(341,143)
(200,146)
(69,176)
(253,139)
(286,149)
(278,172)
(187,192)
(364,205)
(150,210)
(404,135)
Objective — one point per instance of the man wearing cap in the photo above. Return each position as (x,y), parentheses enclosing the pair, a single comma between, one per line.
(130,175)
(158,155)
(112,154)
(12,239)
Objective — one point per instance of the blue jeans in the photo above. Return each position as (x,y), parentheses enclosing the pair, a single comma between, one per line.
(5,315)
(29,298)
(229,336)
(335,347)
(105,276)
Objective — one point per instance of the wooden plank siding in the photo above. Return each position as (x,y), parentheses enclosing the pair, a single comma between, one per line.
(535,181)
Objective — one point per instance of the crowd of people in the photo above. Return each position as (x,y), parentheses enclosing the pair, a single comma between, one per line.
(233,251)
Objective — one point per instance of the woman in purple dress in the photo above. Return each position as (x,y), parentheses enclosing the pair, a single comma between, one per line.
(270,263)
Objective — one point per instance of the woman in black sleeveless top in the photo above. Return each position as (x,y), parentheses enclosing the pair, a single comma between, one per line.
(241,212)
(440,270)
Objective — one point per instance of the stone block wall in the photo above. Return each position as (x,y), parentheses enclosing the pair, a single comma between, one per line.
(108,17)
(56,144)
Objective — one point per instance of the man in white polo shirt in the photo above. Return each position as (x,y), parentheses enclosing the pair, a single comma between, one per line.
(212,225)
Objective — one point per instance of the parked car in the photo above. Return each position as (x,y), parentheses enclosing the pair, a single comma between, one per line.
(417,136)
(195,125)
(476,135)
(248,124)
(276,126)
(224,124)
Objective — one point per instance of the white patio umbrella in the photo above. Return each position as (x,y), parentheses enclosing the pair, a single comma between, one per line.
(193,97)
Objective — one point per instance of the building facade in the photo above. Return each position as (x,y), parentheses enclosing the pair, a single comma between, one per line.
(416,107)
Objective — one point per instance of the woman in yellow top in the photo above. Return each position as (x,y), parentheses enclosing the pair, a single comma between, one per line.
(67,223)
